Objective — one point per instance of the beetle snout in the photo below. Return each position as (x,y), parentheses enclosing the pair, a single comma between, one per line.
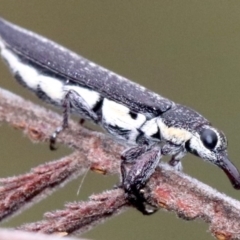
(231,171)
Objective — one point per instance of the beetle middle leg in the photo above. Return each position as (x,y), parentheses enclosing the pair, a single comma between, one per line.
(177,152)
(136,176)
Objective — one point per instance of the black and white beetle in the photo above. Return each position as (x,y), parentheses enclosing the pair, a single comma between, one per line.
(153,126)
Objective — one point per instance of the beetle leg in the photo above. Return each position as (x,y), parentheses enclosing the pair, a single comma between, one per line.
(74,101)
(177,152)
(176,164)
(175,161)
(131,154)
(135,178)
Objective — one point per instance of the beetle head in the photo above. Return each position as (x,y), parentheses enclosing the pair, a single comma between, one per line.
(211,145)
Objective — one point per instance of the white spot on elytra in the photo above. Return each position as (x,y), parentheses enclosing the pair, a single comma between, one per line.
(150,127)
(2,45)
(52,87)
(28,74)
(118,115)
(90,97)
(92,64)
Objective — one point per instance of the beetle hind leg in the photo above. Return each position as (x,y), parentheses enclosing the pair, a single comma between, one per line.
(73,102)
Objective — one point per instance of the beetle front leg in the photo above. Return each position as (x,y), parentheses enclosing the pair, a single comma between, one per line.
(130,155)
(135,178)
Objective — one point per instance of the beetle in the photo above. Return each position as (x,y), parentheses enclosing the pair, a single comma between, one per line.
(151,126)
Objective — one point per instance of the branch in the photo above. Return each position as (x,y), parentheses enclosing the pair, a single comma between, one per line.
(20,192)
(20,235)
(168,189)
(190,199)
(39,123)
(92,151)
(80,217)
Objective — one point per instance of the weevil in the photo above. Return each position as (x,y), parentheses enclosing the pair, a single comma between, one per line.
(151,126)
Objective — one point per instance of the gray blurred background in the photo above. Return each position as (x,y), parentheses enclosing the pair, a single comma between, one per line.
(188,51)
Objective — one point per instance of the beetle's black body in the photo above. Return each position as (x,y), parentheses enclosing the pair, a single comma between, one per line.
(152,125)
(67,65)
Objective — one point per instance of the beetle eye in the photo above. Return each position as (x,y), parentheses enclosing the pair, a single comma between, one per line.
(209,138)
